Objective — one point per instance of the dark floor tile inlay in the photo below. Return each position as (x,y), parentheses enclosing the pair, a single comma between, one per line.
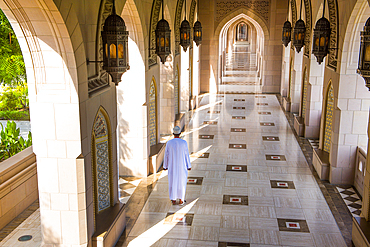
(267,124)
(270,138)
(236,168)
(239,99)
(235,200)
(203,155)
(277,184)
(264,113)
(195,180)
(227,244)
(238,107)
(260,96)
(238,146)
(179,219)
(262,104)
(210,122)
(206,136)
(276,157)
(238,129)
(215,112)
(293,225)
(238,117)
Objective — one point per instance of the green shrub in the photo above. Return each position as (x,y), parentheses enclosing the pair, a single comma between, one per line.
(14,98)
(15,115)
(11,142)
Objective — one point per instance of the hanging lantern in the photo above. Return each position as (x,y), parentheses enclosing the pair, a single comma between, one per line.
(115,39)
(185,34)
(197,33)
(163,40)
(287,33)
(298,35)
(364,59)
(321,36)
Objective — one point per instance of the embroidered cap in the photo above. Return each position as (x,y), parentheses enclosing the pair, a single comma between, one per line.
(176,130)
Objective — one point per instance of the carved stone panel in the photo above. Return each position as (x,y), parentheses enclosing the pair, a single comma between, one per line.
(152,113)
(152,60)
(260,7)
(179,5)
(333,18)
(307,39)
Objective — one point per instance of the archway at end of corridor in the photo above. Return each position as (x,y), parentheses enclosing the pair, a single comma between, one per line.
(241,48)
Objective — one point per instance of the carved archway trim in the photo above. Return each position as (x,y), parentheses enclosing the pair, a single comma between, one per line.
(191,19)
(333,18)
(293,8)
(307,41)
(179,5)
(156,7)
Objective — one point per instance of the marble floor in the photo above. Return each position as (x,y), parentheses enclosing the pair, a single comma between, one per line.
(250,184)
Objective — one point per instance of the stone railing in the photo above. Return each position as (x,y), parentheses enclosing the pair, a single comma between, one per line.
(18,185)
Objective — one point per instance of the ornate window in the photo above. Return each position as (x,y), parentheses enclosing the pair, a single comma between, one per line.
(102,167)
(328,117)
(153,113)
(304,93)
(177,90)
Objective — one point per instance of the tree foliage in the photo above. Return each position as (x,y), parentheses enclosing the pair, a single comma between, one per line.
(12,68)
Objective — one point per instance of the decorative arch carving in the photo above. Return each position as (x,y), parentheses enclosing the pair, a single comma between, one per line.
(179,5)
(329,110)
(102,169)
(333,18)
(307,39)
(153,112)
(293,7)
(156,7)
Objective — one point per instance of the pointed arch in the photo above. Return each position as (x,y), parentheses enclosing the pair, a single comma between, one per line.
(179,6)
(334,35)
(328,122)
(308,22)
(102,168)
(153,130)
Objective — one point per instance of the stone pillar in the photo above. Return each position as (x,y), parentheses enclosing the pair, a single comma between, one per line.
(166,96)
(295,90)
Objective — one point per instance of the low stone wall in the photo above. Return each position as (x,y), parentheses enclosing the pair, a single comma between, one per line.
(18,185)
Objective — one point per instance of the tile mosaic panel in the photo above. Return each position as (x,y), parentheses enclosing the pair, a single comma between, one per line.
(275,157)
(238,146)
(206,137)
(277,184)
(179,219)
(293,225)
(236,168)
(238,129)
(102,171)
(267,124)
(238,117)
(351,199)
(152,114)
(328,118)
(270,138)
(195,180)
(229,244)
(235,200)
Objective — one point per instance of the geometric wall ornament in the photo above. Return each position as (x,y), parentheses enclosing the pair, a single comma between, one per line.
(153,113)
(156,7)
(101,162)
(307,37)
(304,93)
(176,90)
(333,19)
(329,110)
(179,5)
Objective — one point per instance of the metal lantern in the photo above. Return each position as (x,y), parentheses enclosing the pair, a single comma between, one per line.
(364,59)
(163,40)
(298,34)
(185,34)
(321,36)
(115,39)
(197,33)
(287,33)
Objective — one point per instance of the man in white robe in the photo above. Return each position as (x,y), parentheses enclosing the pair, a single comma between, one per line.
(177,161)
